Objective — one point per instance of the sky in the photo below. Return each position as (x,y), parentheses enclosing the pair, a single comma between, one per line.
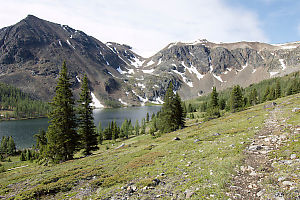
(150,25)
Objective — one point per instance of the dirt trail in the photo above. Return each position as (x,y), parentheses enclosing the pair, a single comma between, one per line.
(250,180)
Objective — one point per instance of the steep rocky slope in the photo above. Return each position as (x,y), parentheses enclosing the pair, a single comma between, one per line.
(195,67)
(32,51)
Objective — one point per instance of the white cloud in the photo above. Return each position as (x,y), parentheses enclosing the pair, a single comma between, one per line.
(148,26)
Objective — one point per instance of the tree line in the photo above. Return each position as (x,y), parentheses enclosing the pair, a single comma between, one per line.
(21,104)
(237,98)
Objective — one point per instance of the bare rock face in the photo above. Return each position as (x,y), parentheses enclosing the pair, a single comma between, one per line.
(32,51)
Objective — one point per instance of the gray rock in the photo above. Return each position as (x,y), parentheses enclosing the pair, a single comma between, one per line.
(287,183)
(296,110)
(176,138)
(255,148)
(270,105)
(293,156)
(197,140)
(122,145)
(188,193)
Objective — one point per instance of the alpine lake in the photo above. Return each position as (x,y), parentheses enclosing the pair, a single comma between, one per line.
(23,131)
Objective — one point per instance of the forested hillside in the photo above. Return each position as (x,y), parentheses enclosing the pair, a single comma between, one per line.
(16,104)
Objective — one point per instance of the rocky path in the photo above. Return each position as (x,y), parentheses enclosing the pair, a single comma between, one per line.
(260,176)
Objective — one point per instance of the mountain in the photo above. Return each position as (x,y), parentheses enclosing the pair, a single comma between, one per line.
(195,67)
(32,51)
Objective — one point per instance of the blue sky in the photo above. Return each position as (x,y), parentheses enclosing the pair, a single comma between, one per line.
(280,19)
(148,26)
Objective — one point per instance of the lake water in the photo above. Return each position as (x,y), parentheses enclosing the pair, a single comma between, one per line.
(23,130)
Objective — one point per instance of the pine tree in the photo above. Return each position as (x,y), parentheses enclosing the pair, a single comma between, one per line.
(137,127)
(236,99)
(100,133)
(22,157)
(267,92)
(143,127)
(278,90)
(62,139)
(11,146)
(172,113)
(4,144)
(167,115)
(147,117)
(86,127)
(214,101)
(178,112)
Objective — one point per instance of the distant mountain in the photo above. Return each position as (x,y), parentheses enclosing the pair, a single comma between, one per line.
(32,51)
(194,68)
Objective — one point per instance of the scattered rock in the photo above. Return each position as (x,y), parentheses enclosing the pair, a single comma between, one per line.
(293,156)
(255,148)
(296,110)
(260,193)
(188,193)
(217,134)
(155,182)
(122,145)
(270,105)
(282,178)
(287,183)
(176,138)
(197,140)
(253,173)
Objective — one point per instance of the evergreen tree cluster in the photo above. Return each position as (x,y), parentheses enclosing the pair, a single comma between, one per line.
(7,146)
(22,105)
(70,129)
(237,98)
(172,115)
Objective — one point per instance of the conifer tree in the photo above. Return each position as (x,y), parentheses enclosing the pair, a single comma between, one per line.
(137,127)
(62,139)
(278,90)
(11,146)
(214,101)
(236,99)
(147,117)
(86,127)
(179,112)
(266,94)
(171,116)
(4,143)
(100,133)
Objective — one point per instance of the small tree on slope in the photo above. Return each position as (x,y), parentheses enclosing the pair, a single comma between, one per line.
(62,139)
(86,127)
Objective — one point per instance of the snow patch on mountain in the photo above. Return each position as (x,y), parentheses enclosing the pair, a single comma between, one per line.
(151,62)
(78,79)
(282,64)
(189,83)
(254,70)
(69,43)
(218,77)
(148,71)
(122,102)
(143,100)
(95,102)
(137,62)
(273,73)
(141,85)
(121,71)
(158,100)
(159,62)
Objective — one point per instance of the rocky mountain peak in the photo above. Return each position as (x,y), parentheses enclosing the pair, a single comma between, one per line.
(32,51)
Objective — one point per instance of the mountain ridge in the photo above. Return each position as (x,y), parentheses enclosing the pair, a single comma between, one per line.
(32,51)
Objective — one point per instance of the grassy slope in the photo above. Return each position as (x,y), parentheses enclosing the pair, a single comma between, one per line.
(205,167)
